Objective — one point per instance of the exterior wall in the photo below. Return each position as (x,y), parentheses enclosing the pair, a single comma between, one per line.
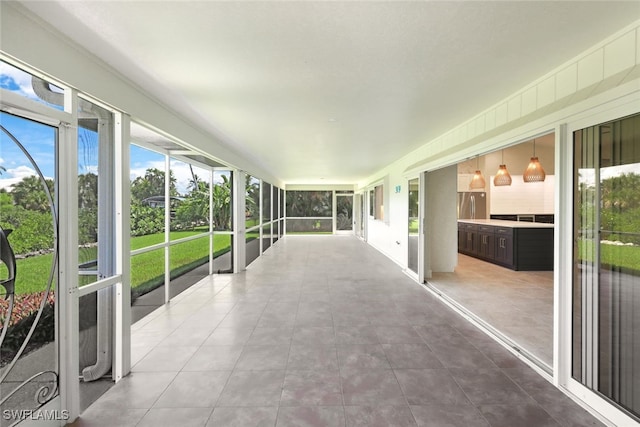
(608,72)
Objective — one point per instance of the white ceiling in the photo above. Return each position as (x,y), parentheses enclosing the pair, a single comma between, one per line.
(333,90)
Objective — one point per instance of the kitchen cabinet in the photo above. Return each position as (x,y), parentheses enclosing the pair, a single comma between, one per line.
(504,246)
(468,238)
(486,242)
(516,245)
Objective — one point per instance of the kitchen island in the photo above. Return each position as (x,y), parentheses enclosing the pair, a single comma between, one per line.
(518,245)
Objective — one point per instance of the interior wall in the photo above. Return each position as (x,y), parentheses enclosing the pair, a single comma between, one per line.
(441,220)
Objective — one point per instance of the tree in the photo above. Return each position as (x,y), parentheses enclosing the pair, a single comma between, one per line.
(30,194)
(152,184)
(194,209)
(620,208)
(222,204)
(309,204)
(87,191)
(252,197)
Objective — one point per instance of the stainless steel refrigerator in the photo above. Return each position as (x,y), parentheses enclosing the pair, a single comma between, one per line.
(472,205)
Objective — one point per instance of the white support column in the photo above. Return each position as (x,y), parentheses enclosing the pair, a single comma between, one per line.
(67,284)
(284,214)
(239,224)
(334,212)
(122,327)
(424,257)
(167,227)
(211,248)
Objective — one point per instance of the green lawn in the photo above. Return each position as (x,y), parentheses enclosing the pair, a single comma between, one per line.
(32,272)
(147,270)
(624,257)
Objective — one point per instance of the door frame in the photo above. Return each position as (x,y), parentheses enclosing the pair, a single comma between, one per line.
(563,321)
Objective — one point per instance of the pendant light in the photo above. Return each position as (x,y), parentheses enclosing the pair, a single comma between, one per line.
(534,172)
(477,182)
(502,176)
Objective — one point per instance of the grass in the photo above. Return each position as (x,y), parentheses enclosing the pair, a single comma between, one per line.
(626,258)
(147,270)
(32,272)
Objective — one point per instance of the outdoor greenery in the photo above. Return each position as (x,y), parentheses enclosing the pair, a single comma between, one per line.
(309,204)
(306,207)
(25,210)
(619,207)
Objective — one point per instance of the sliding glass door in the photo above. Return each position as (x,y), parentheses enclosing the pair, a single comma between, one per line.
(606,261)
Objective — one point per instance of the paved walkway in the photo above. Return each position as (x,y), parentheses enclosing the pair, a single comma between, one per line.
(322,331)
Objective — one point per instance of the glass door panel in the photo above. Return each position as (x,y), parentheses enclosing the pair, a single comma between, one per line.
(28,268)
(414,215)
(606,285)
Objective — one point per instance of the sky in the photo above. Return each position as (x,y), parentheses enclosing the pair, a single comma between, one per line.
(39,140)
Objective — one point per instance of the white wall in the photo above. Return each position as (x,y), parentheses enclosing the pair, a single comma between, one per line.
(605,74)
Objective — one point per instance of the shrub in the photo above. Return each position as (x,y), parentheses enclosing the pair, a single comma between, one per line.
(24,313)
(32,231)
(146,220)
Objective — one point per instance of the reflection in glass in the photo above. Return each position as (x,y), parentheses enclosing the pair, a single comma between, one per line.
(606,285)
(414,188)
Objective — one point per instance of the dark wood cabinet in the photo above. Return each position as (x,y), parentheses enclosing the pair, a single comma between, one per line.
(486,242)
(515,247)
(504,246)
(468,239)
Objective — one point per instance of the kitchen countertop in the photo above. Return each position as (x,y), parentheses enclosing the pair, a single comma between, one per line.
(509,224)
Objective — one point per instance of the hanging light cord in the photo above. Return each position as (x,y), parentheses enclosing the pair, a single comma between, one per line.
(534,147)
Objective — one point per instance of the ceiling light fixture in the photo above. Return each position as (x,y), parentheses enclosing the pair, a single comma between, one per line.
(477,182)
(534,172)
(502,176)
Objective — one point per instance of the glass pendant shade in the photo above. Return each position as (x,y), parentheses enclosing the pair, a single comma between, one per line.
(477,181)
(502,177)
(534,172)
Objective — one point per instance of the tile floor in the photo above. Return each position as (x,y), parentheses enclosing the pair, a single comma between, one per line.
(525,299)
(322,331)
